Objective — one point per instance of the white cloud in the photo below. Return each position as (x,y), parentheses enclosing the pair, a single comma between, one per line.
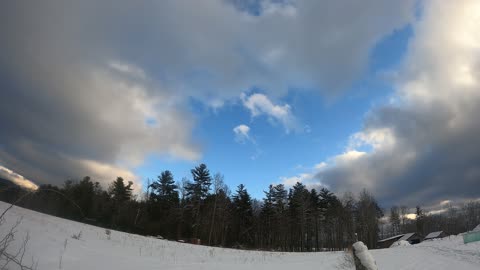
(106,118)
(378,139)
(302,178)
(87,106)
(295,43)
(16,178)
(242,133)
(260,104)
(127,69)
(309,177)
(106,173)
(423,145)
(320,166)
(306,178)
(348,156)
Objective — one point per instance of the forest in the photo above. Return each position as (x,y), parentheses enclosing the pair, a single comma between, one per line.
(204,210)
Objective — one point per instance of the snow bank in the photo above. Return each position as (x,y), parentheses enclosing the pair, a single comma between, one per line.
(401,243)
(362,253)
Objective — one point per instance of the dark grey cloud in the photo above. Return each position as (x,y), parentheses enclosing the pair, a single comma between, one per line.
(426,147)
(82,81)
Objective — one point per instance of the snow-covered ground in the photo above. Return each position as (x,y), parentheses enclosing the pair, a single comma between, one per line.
(52,245)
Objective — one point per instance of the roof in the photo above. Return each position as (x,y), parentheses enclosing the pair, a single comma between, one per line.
(434,235)
(407,236)
(391,238)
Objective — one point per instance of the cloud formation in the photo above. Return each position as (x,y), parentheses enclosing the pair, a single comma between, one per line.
(260,104)
(88,122)
(242,133)
(93,87)
(307,178)
(7,174)
(423,145)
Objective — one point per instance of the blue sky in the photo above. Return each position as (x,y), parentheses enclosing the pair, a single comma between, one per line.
(348,95)
(327,123)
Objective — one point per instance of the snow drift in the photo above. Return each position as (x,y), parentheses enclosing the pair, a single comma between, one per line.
(400,243)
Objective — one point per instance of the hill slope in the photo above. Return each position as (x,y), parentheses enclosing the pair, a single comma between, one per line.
(52,245)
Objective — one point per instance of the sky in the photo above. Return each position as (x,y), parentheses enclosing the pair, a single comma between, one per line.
(347,95)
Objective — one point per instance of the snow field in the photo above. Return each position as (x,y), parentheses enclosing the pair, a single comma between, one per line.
(52,247)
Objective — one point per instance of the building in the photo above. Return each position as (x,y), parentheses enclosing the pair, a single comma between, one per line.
(387,242)
(434,235)
(412,238)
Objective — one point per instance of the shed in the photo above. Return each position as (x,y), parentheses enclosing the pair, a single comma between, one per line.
(412,238)
(387,242)
(434,235)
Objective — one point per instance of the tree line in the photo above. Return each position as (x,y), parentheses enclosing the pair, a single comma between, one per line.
(451,219)
(204,209)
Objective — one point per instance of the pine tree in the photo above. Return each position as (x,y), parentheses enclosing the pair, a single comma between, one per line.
(197,192)
(163,206)
(218,186)
(164,190)
(315,212)
(280,198)
(120,192)
(123,213)
(83,193)
(202,180)
(242,204)
(299,204)
(268,215)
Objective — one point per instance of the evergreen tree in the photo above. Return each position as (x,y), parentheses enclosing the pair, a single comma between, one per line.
(123,216)
(197,191)
(329,207)
(298,220)
(83,194)
(163,206)
(267,215)
(202,180)
(242,204)
(315,217)
(164,190)
(299,205)
(280,198)
(120,192)
(218,188)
